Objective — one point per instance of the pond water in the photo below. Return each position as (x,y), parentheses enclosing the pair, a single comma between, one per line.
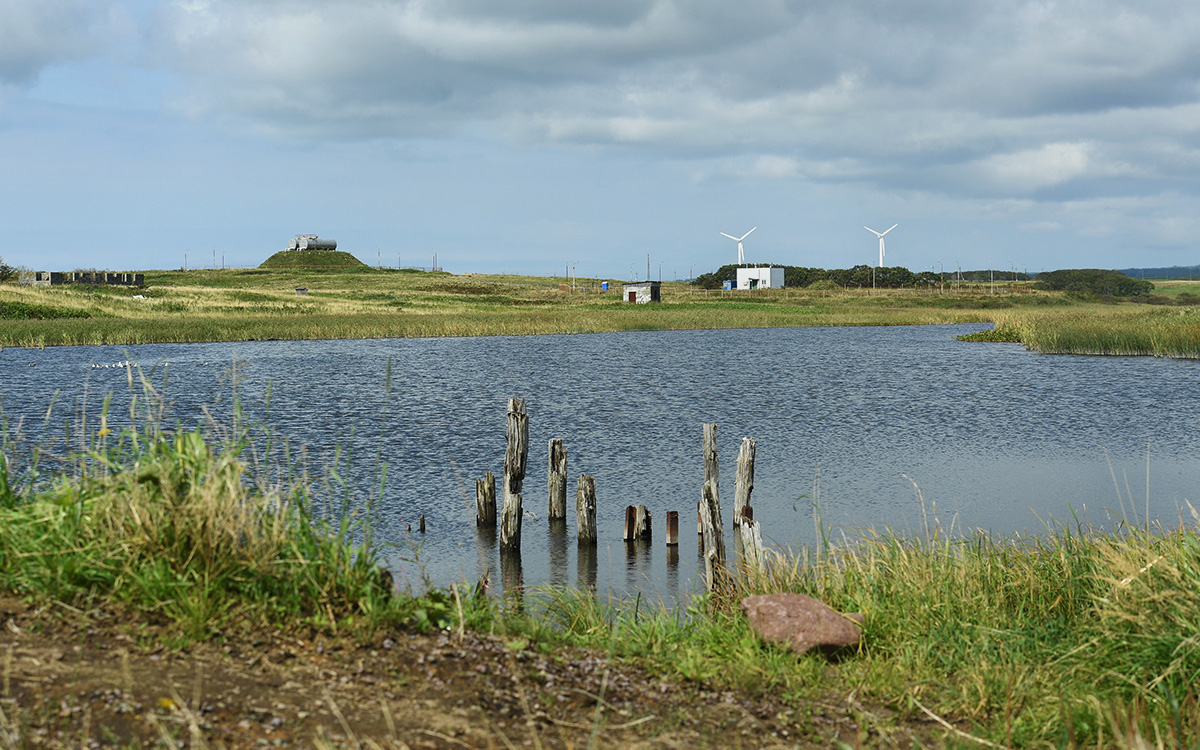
(994,437)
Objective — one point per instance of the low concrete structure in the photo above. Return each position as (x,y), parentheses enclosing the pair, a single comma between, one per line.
(642,292)
(98,278)
(760,278)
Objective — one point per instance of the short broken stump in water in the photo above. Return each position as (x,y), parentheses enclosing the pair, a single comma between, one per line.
(801,623)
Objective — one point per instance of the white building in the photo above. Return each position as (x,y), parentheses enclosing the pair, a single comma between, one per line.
(642,292)
(760,278)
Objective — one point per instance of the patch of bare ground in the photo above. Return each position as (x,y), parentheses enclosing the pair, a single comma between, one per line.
(104,679)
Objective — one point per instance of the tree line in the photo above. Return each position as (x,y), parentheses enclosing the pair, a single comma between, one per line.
(862,276)
(1094,281)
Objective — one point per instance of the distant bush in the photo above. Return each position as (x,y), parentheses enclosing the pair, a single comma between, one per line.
(7,272)
(1094,281)
(24,311)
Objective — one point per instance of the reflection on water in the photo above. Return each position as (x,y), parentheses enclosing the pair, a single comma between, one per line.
(559,560)
(639,557)
(673,569)
(512,577)
(586,567)
(991,434)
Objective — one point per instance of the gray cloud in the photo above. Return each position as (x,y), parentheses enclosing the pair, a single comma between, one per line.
(41,33)
(1008,99)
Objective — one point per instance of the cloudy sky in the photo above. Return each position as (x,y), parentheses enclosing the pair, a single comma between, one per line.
(523,136)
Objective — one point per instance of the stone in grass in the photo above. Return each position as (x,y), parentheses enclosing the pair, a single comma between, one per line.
(801,623)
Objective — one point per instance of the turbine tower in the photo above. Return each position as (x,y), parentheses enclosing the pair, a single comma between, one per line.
(741,251)
(880,236)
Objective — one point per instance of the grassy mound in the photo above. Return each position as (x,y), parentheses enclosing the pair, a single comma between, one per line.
(312,260)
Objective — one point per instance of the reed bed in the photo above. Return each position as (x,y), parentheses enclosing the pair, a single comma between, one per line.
(1125,331)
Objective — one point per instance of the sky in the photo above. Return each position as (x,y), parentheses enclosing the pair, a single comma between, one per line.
(601,138)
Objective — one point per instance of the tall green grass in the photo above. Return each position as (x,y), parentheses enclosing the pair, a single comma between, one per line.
(181,524)
(1071,638)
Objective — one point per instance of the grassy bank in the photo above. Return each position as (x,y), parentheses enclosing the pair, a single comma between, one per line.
(1073,638)
(240,305)
(363,302)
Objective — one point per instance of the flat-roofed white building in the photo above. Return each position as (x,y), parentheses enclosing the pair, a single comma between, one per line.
(760,278)
(642,292)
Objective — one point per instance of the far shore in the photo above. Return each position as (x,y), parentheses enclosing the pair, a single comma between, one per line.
(366,303)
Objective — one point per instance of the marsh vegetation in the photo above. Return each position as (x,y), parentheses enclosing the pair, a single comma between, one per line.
(1071,638)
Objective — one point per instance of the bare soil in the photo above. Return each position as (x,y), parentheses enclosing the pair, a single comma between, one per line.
(104,679)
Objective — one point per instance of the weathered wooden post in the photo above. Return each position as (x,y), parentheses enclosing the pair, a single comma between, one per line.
(753,557)
(637,523)
(558,479)
(744,484)
(713,528)
(514,474)
(421,523)
(485,500)
(672,528)
(585,509)
(714,536)
(712,469)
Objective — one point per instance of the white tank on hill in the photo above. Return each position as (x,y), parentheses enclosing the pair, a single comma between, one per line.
(311,242)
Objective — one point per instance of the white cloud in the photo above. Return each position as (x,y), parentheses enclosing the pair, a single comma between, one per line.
(1033,169)
(1040,227)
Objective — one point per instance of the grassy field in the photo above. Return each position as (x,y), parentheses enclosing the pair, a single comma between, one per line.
(239,305)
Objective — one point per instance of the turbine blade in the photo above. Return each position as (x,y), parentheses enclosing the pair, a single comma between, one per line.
(730,236)
(747,234)
(890,229)
(872,231)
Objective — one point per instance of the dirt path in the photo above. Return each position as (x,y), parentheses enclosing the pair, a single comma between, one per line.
(99,680)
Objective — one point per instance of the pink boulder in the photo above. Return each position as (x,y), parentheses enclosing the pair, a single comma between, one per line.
(801,623)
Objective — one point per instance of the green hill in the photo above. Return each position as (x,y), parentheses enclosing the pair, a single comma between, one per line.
(313,260)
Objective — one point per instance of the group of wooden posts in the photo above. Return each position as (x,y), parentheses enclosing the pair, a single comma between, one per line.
(709,526)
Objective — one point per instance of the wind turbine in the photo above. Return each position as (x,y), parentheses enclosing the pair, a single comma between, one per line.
(741,252)
(880,236)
